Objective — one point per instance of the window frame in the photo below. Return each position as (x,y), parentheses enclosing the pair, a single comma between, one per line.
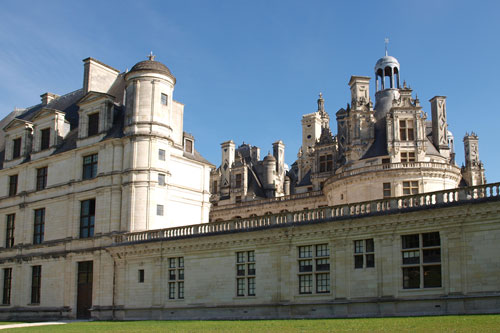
(41,178)
(45,139)
(10,227)
(89,167)
(410,186)
(39,221)
(314,267)
(160,210)
(406,129)
(87,218)
(161,154)
(36,284)
(325,163)
(176,278)
(16,148)
(13,181)
(386,190)
(417,267)
(363,250)
(93,120)
(162,179)
(407,156)
(7,285)
(245,274)
(164,99)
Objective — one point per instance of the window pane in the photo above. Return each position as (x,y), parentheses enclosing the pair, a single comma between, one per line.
(305,251)
(322,250)
(369,245)
(358,246)
(251,269)
(240,270)
(358,261)
(171,263)
(432,276)
(305,284)
(305,266)
(251,256)
(411,277)
(370,260)
(323,283)
(431,239)
(240,287)
(410,241)
(171,290)
(433,255)
(240,256)
(323,264)
(411,257)
(251,286)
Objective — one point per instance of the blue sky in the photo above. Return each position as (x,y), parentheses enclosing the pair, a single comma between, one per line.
(248,70)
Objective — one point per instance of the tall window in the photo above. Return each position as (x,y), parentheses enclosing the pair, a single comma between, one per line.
(238,181)
(364,253)
(159,210)
(39,227)
(87,218)
(41,178)
(36,284)
(176,278)
(410,187)
(16,148)
(93,127)
(407,157)
(90,166)
(7,284)
(314,269)
(164,99)
(421,255)
(141,276)
(214,187)
(12,185)
(45,139)
(161,154)
(406,130)
(387,190)
(9,234)
(245,273)
(326,163)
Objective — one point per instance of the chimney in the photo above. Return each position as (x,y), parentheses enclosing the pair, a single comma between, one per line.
(48,97)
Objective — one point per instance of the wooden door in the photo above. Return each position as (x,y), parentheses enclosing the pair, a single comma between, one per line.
(84,295)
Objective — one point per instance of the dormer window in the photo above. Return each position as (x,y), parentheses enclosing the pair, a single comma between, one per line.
(188,146)
(16,150)
(93,128)
(45,139)
(164,99)
(406,130)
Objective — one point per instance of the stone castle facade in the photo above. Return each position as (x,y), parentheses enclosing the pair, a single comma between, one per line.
(108,211)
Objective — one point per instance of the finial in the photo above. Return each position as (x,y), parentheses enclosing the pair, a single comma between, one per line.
(320,95)
(386,40)
(151,56)
(321,103)
(404,84)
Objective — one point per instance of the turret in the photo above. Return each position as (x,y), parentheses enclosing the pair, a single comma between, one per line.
(473,171)
(269,172)
(227,162)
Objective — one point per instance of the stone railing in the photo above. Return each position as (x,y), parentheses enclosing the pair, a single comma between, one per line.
(395,166)
(268,200)
(324,214)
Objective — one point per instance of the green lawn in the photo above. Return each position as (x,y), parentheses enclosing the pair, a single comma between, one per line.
(479,323)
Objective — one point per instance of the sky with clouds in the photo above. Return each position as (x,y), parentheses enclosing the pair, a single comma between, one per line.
(248,70)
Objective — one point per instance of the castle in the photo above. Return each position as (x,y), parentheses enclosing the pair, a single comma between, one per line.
(107,210)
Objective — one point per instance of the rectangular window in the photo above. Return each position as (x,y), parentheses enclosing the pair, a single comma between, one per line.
(407,157)
(161,179)
(421,260)
(176,278)
(364,253)
(41,178)
(87,218)
(9,234)
(12,185)
(36,284)
(245,273)
(16,148)
(39,226)
(314,269)
(161,154)
(45,139)
(410,187)
(164,99)
(89,166)
(387,190)
(189,146)
(159,210)
(93,127)
(406,130)
(238,180)
(214,187)
(141,276)
(326,163)
(7,284)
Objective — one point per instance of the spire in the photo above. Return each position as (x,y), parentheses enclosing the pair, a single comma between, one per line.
(151,57)
(386,40)
(321,103)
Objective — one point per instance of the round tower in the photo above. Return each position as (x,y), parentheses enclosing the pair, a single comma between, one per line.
(386,85)
(269,171)
(149,90)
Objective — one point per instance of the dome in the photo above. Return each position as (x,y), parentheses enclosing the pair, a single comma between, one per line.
(269,158)
(386,61)
(152,66)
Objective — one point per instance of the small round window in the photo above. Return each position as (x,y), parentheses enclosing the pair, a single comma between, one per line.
(308,136)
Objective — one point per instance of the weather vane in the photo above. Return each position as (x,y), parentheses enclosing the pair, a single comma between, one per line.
(152,57)
(386,40)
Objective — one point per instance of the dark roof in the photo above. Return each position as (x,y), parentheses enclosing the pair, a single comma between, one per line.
(379,145)
(152,66)
(306,180)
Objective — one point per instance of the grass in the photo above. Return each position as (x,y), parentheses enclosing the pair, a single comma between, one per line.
(470,323)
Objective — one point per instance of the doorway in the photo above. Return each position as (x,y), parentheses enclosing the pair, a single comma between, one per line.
(84,294)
